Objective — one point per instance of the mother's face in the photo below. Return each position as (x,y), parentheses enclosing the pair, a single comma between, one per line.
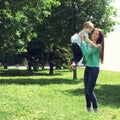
(95,35)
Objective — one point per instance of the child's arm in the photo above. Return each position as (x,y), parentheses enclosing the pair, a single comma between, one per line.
(92,43)
(89,41)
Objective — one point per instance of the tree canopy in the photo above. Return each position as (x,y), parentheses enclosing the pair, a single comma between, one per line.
(49,23)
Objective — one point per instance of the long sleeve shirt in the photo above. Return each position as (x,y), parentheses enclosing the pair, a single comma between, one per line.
(91,55)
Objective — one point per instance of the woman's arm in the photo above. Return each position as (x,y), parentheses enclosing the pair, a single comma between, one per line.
(87,50)
(92,43)
(89,41)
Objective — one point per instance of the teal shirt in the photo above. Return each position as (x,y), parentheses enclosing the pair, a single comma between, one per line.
(91,55)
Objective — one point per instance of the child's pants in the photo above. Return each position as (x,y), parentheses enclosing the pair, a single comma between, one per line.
(77,52)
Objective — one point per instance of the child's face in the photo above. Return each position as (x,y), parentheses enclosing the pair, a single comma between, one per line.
(88,30)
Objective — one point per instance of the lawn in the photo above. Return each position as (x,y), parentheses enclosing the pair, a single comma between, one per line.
(37,96)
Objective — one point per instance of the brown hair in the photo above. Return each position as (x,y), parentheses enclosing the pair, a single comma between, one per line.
(88,24)
(100,41)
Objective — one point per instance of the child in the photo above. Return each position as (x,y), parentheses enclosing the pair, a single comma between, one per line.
(76,43)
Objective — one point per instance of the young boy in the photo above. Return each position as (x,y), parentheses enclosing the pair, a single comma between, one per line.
(76,43)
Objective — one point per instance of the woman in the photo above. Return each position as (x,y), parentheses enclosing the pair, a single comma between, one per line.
(92,57)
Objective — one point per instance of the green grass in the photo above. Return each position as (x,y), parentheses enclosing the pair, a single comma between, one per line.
(37,96)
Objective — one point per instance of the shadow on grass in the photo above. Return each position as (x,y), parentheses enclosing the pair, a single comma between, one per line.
(107,95)
(18,72)
(43,81)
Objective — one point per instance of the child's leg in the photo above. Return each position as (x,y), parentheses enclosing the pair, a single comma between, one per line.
(74,49)
(77,54)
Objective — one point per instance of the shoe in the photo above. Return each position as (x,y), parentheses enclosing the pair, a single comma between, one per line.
(73,64)
(88,109)
(96,110)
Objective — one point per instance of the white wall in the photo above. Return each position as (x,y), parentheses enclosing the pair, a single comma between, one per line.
(112,51)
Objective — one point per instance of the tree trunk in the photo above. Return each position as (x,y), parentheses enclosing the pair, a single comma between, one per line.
(29,66)
(75,73)
(35,67)
(5,66)
(51,68)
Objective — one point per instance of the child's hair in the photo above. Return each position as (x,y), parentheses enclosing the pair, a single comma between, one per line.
(88,24)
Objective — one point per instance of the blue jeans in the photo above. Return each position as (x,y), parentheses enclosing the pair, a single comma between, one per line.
(90,77)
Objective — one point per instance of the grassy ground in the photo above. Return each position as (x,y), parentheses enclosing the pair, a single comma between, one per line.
(37,96)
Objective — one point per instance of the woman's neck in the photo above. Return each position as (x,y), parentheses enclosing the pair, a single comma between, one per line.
(94,41)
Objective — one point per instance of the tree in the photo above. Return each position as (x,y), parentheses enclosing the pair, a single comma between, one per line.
(51,22)
(69,17)
(17,22)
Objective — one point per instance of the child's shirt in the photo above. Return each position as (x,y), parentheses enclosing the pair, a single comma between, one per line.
(77,39)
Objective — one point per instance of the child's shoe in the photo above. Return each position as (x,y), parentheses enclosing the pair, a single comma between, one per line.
(73,66)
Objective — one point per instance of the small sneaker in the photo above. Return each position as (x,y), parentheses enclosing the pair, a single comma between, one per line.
(73,64)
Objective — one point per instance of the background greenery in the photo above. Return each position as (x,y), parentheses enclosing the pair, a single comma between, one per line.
(37,96)
(40,30)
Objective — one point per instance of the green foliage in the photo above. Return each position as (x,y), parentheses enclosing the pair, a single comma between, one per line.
(52,22)
(17,22)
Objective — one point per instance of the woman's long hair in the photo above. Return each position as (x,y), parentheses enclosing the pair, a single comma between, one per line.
(101,41)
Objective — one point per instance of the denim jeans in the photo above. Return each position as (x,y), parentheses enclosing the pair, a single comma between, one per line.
(90,77)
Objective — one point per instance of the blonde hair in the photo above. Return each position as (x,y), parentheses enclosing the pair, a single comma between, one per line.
(88,24)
